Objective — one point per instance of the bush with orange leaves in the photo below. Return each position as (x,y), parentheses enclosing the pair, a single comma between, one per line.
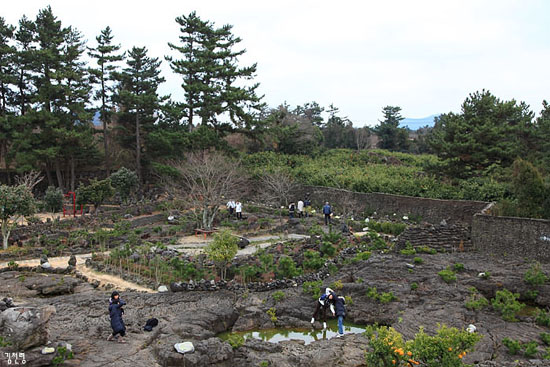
(445,349)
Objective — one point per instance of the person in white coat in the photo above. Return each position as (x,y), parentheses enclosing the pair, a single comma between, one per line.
(239,209)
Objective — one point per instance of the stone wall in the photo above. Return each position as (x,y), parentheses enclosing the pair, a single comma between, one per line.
(510,236)
(430,210)
(449,238)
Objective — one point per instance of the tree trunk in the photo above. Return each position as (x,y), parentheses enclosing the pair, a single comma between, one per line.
(104,120)
(138,149)
(22,92)
(5,233)
(59,175)
(49,175)
(73,178)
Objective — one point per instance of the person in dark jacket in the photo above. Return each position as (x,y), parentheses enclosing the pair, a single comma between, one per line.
(327,211)
(115,312)
(337,305)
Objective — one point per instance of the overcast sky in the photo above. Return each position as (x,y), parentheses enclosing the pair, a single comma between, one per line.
(424,56)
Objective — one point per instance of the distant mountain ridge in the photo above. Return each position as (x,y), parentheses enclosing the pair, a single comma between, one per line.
(415,124)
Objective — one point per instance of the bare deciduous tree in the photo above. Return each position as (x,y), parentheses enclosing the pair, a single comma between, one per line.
(362,138)
(29,179)
(205,180)
(276,188)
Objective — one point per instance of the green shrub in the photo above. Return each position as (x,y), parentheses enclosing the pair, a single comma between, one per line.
(53,199)
(507,304)
(272,314)
(543,318)
(414,286)
(349,300)
(458,267)
(545,337)
(388,227)
(531,294)
(95,193)
(447,275)
(362,256)
(313,260)
(445,349)
(328,249)
(286,268)
(426,250)
(12,265)
(235,340)
(125,182)
(476,301)
(222,250)
(378,244)
(530,349)
(534,276)
(418,260)
(278,296)
(337,285)
(408,250)
(62,355)
(264,364)
(513,346)
(313,288)
(385,297)
(4,342)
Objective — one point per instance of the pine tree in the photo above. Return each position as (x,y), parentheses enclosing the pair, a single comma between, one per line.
(138,97)
(7,80)
(392,137)
(487,132)
(211,76)
(26,37)
(106,55)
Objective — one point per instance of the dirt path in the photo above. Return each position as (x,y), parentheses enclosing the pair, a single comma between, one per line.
(102,278)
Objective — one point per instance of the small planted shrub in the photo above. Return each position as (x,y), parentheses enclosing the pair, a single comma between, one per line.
(338,285)
(545,337)
(235,340)
(272,314)
(530,349)
(418,260)
(313,288)
(408,250)
(313,260)
(543,318)
(507,304)
(447,275)
(513,346)
(328,249)
(534,276)
(458,267)
(278,296)
(286,268)
(414,286)
(445,349)
(476,301)
(385,297)
(362,256)
(426,250)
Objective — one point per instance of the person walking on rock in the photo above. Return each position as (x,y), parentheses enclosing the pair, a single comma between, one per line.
(239,209)
(300,208)
(231,207)
(327,211)
(337,305)
(115,312)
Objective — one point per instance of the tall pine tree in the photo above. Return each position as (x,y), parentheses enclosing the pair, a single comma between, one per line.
(138,98)
(106,55)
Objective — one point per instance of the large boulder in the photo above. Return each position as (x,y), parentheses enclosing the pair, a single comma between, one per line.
(26,327)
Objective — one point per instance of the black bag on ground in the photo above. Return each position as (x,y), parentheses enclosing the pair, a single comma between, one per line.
(150,324)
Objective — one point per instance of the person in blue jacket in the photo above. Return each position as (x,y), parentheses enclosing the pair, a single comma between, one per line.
(338,308)
(115,312)
(327,211)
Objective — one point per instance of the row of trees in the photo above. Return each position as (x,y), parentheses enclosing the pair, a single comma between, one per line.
(46,94)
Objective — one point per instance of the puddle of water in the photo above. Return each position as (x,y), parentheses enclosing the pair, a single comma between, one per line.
(277,335)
